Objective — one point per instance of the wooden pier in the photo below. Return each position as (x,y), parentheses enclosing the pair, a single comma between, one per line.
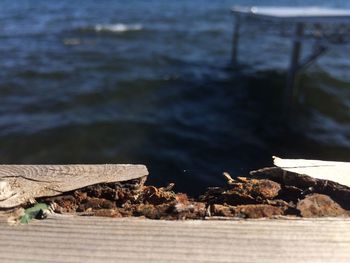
(329,29)
(73,238)
(93,239)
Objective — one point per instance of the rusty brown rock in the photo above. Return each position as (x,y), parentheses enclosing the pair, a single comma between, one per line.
(243,197)
(258,211)
(101,191)
(191,210)
(319,205)
(307,184)
(247,211)
(246,191)
(148,211)
(182,203)
(98,203)
(152,211)
(266,189)
(284,177)
(80,196)
(63,204)
(235,194)
(156,196)
(222,210)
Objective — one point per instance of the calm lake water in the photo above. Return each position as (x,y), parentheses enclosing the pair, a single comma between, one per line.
(148,82)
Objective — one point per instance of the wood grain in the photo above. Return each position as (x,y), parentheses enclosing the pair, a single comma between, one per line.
(338,172)
(93,239)
(21,183)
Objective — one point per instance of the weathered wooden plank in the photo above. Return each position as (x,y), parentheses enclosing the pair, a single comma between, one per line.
(312,176)
(93,239)
(21,183)
(305,14)
(338,172)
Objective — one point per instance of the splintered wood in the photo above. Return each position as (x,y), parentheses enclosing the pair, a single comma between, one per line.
(326,170)
(270,192)
(20,184)
(301,177)
(97,190)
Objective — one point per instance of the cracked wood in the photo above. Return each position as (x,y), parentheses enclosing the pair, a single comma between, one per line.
(22,183)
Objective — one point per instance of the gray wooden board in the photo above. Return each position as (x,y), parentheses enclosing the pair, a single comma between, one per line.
(338,172)
(21,183)
(303,14)
(93,239)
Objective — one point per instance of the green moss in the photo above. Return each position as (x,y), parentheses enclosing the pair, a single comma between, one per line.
(33,212)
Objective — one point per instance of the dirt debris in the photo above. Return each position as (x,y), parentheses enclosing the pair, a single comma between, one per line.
(247,211)
(297,186)
(318,205)
(243,191)
(122,200)
(267,193)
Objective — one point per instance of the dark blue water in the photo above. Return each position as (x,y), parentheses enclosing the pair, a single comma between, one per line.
(148,82)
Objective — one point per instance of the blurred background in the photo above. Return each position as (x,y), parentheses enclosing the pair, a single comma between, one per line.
(149,82)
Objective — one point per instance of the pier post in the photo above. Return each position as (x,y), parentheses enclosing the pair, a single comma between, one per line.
(294,64)
(235,39)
